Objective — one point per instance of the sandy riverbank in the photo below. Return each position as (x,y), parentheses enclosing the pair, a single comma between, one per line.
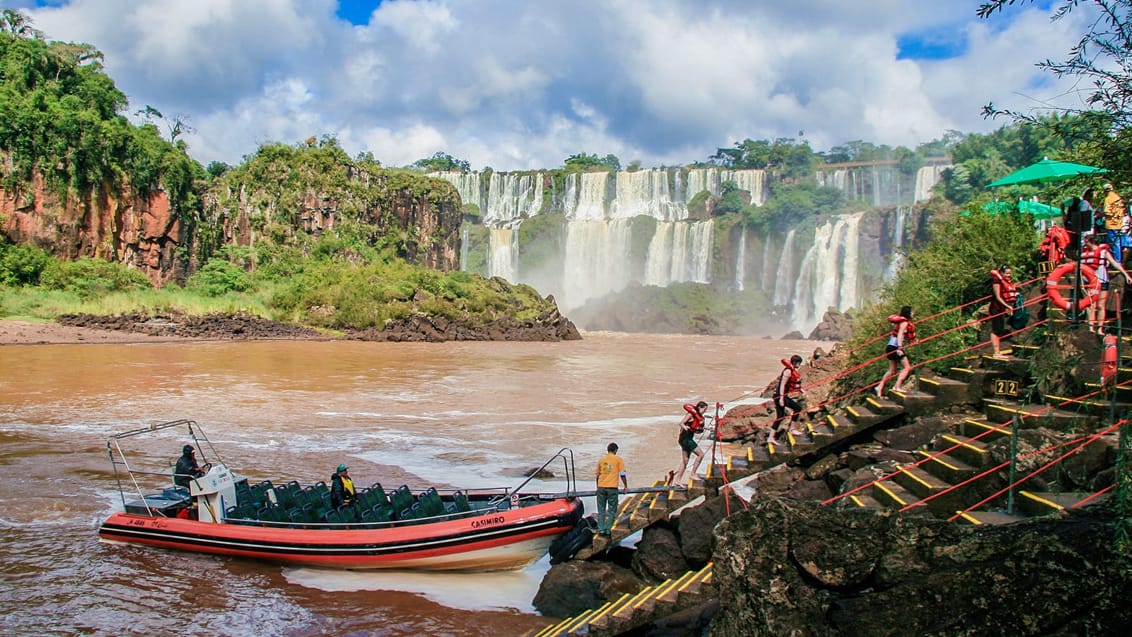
(50,333)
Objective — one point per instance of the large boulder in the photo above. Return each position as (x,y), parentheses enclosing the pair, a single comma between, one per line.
(572,587)
(796,568)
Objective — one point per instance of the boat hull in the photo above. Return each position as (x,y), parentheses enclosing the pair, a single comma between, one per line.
(499,540)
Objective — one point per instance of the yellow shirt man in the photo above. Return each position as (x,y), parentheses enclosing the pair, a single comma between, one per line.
(1113,209)
(610,469)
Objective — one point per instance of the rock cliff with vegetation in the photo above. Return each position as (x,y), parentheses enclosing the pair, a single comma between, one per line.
(102,216)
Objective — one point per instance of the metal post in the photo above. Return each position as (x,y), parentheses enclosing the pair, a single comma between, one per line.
(1013,463)
(1123,458)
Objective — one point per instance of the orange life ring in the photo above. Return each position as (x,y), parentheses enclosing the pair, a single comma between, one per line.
(1053,285)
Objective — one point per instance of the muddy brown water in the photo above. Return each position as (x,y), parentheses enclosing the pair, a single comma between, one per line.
(459,414)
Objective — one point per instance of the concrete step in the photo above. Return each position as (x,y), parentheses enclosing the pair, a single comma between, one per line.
(883,406)
(972,452)
(1032,416)
(919,482)
(860,500)
(948,390)
(863,417)
(913,403)
(981,380)
(893,495)
(989,518)
(949,468)
(1123,392)
(984,430)
(1095,406)
(1045,502)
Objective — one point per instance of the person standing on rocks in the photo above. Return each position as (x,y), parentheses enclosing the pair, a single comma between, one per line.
(609,469)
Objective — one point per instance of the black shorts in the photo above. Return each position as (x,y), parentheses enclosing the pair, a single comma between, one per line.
(998,324)
(892,354)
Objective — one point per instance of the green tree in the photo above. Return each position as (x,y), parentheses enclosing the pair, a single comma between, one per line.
(442,162)
(582,163)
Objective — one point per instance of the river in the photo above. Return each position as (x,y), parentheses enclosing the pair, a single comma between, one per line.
(461,414)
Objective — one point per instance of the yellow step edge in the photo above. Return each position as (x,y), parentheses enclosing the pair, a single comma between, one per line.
(939,459)
(609,608)
(664,587)
(584,618)
(857,501)
(853,412)
(549,630)
(643,596)
(960,443)
(680,583)
(750,455)
(696,576)
(1036,498)
(620,603)
(970,518)
(832,421)
(891,493)
(710,467)
(873,402)
(915,477)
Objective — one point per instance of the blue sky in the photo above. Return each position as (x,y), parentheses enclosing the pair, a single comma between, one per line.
(516,85)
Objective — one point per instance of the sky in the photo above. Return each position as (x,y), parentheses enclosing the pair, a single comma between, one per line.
(521,85)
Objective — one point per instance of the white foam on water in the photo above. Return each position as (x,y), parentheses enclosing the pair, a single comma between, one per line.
(467,591)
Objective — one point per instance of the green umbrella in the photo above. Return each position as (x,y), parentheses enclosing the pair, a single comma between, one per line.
(1038,210)
(1045,171)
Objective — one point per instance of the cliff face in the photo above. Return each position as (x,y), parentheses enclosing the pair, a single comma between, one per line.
(145,231)
(112,224)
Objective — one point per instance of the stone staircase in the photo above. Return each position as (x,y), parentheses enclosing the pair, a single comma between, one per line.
(632,611)
(963,454)
(957,456)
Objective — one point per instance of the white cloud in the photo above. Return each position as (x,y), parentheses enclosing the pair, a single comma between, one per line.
(519,85)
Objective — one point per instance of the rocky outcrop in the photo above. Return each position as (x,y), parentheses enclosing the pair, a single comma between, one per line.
(115,224)
(795,568)
(550,326)
(834,326)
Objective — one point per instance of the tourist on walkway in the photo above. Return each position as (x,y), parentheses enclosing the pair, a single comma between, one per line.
(1114,213)
(1098,256)
(609,469)
(903,333)
(787,390)
(692,424)
(1003,295)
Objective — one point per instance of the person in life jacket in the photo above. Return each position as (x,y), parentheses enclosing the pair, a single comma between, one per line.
(1055,244)
(692,424)
(1097,256)
(341,488)
(1003,295)
(903,333)
(786,391)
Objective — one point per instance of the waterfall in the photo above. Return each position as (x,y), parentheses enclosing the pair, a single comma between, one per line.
(503,261)
(645,192)
(595,260)
(679,252)
(741,260)
(511,198)
(926,179)
(784,273)
(828,274)
(897,258)
(465,238)
(585,196)
(467,185)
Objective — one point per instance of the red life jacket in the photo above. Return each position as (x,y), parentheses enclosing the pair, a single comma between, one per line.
(1054,244)
(909,332)
(1094,257)
(697,424)
(793,384)
(1006,289)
